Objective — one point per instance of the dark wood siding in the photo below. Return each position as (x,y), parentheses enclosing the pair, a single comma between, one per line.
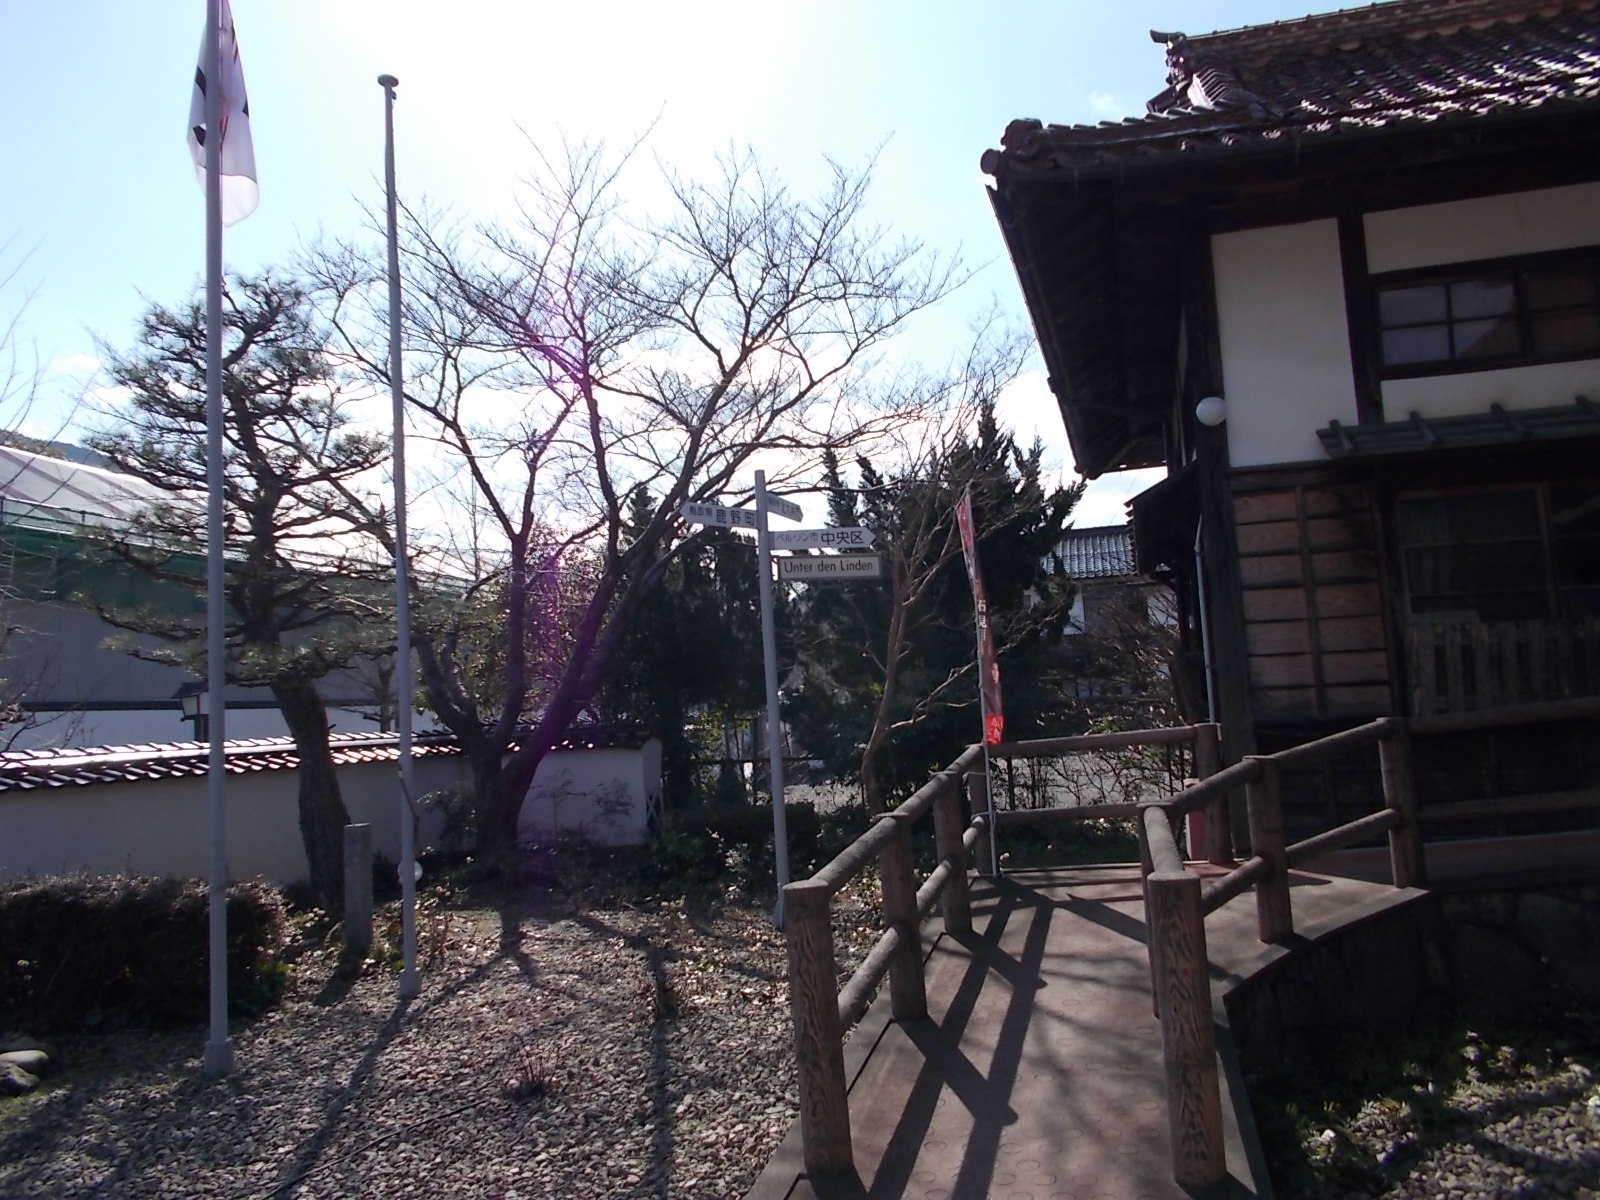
(1310,571)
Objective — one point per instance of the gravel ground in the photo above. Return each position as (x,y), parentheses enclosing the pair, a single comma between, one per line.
(1471,1116)
(635,1051)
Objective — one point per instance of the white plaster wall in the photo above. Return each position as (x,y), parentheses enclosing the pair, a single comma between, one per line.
(1490,227)
(160,827)
(606,796)
(1542,386)
(1285,341)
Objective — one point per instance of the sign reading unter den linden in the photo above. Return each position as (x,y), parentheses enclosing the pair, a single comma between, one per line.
(831,568)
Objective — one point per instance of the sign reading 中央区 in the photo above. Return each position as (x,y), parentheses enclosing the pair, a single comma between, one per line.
(698,513)
(830,568)
(824,539)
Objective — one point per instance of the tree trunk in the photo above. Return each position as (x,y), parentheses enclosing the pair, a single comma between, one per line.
(498,809)
(322,812)
(871,790)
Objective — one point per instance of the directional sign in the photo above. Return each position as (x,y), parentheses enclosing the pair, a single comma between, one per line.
(831,568)
(826,539)
(716,514)
(784,508)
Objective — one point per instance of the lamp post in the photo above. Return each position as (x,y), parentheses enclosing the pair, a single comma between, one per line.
(196,702)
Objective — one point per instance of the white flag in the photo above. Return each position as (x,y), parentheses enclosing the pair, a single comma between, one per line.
(240,195)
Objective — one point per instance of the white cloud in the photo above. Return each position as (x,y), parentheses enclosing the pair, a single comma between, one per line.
(1106,106)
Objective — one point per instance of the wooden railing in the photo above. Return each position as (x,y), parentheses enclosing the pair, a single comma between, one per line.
(822,1014)
(1176,899)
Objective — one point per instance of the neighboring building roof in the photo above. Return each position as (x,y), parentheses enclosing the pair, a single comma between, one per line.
(1105,552)
(23,770)
(1403,63)
(38,488)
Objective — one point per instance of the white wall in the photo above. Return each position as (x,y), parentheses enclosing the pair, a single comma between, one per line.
(610,797)
(1285,341)
(1430,235)
(160,827)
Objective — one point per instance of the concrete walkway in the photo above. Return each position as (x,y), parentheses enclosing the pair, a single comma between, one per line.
(1038,1074)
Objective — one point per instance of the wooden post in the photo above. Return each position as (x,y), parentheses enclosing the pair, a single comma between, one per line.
(978,804)
(1407,865)
(1151,948)
(1274,915)
(818,1038)
(1188,1039)
(908,998)
(956,903)
(358,889)
(1207,761)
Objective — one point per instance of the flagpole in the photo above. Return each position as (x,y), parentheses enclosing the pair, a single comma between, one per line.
(218,1059)
(410,980)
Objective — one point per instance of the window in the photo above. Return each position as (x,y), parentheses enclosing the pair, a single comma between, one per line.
(1506,313)
(1513,554)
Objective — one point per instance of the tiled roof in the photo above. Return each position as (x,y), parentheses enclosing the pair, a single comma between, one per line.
(22,770)
(1406,63)
(1102,553)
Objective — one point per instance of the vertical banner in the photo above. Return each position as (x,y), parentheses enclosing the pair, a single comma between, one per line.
(994,721)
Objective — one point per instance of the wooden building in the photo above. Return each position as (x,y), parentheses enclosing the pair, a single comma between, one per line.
(1343,281)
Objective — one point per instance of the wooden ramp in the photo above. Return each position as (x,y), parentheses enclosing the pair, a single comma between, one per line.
(1038,1073)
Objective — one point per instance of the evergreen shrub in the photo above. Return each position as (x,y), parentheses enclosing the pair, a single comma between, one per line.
(98,952)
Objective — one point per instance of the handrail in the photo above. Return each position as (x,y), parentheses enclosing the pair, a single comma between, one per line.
(1176,900)
(820,1009)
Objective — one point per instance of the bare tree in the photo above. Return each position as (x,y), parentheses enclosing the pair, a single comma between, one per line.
(591,356)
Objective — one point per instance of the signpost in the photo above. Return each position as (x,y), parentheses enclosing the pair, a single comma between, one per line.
(697,513)
(821,539)
(831,568)
(824,568)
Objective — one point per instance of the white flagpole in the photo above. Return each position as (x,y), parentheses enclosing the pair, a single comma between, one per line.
(410,980)
(218,1059)
(769,655)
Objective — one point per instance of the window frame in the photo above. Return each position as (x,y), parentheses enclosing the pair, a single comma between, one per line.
(1559,594)
(1443,275)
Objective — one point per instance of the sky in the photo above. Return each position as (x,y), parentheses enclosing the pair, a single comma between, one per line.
(101,214)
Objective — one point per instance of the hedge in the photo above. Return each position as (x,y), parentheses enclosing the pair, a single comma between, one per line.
(80,952)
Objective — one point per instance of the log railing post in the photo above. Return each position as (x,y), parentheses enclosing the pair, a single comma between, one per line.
(908,998)
(1188,1039)
(818,1037)
(955,905)
(1407,866)
(1207,762)
(983,852)
(1274,915)
(1152,950)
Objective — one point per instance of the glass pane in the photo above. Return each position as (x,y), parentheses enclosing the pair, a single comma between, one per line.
(1487,339)
(1563,331)
(1420,343)
(1483,297)
(1554,289)
(1411,305)
(1477,517)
